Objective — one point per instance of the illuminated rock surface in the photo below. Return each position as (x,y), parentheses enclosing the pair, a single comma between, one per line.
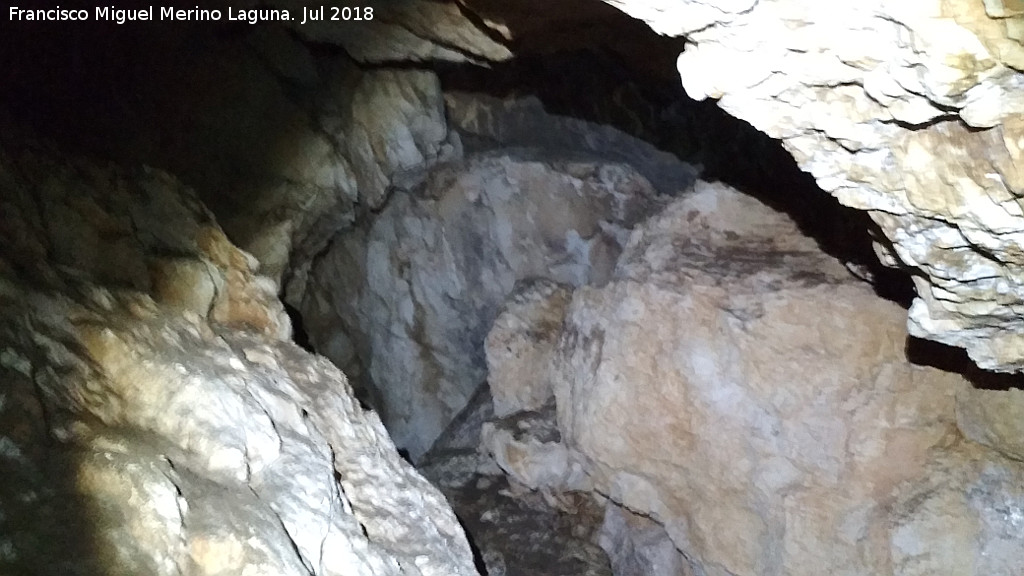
(417,287)
(913,111)
(152,419)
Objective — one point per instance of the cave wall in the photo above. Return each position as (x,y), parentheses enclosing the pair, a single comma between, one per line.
(284,141)
(154,419)
(404,300)
(909,112)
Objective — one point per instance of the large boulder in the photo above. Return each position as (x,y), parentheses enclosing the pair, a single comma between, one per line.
(153,420)
(742,389)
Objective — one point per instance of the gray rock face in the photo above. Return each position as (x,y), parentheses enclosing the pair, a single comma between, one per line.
(152,421)
(639,546)
(524,122)
(417,287)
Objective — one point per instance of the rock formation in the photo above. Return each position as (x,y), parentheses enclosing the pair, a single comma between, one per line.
(416,288)
(911,111)
(153,420)
(734,400)
(741,389)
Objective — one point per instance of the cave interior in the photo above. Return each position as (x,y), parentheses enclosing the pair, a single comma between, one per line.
(431,222)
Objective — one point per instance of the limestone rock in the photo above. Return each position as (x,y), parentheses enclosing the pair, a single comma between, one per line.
(280,141)
(524,122)
(737,386)
(527,447)
(963,517)
(417,287)
(519,347)
(994,418)
(912,111)
(152,419)
(639,546)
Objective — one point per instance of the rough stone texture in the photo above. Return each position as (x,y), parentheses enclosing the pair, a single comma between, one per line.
(291,182)
(913,111)
(740,388)
(639,546)
(153,421)
(280,139)
(994,418)
(415,289)
(527,448)
(520,344)
(524,122)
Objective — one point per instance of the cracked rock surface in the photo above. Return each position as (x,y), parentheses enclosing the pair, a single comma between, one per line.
(152,419)
(516,531)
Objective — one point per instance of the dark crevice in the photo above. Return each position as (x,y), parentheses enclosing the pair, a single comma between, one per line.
(299,335)
(728,149)
(950,359)
(478,558)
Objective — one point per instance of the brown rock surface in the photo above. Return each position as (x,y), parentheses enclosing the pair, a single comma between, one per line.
(739,387)
(994,418)
(520,344)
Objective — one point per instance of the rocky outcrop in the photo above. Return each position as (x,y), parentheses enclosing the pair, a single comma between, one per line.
(405,300)
(911,111)
(744,391)
(152,418)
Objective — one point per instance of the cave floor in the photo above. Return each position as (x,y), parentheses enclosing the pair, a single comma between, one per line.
(514,531)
